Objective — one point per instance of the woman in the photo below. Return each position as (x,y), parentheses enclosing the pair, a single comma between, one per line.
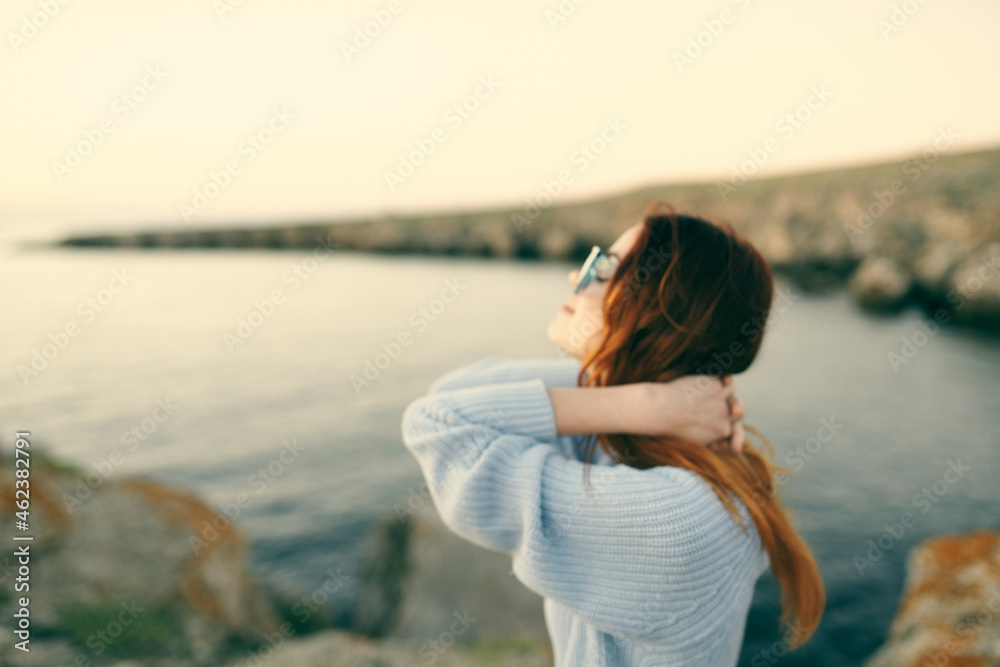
(655,563)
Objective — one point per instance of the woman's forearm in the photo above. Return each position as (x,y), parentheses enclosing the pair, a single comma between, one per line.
(584,410)
(693,407)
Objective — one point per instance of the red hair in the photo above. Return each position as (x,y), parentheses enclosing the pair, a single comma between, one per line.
(692,297)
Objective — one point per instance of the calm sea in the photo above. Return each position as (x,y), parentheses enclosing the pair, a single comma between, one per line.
(158,329)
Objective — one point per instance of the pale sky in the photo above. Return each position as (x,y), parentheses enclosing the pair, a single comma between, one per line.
(337,127)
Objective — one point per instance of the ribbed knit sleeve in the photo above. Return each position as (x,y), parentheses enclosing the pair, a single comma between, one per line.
(635,558)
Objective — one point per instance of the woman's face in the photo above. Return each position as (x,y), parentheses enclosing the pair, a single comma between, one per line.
(577,332)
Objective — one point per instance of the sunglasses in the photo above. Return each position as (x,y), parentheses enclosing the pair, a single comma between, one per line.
(598,264)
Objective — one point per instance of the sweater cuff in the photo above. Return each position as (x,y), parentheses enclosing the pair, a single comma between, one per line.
(511,407)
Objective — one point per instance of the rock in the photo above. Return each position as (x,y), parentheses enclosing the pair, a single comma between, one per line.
(976,285)
(556,244)
(950,612)
(443,578)
(931,269)
(106,548)
(771,239)
(879,284)
(498,239)
(336,648)
(382,574)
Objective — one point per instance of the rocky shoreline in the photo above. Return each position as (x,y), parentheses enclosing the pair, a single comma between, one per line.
(923,231)
(131,573)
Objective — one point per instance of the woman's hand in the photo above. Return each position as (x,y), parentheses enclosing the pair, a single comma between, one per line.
(700,408)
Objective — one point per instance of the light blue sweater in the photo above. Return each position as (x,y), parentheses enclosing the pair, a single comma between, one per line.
(650,569)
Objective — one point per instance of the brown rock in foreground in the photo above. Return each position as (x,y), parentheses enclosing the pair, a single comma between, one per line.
(126,567)
(950,612)
(126,572)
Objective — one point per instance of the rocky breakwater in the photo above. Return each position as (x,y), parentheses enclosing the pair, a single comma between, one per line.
(923,230)
(950,612)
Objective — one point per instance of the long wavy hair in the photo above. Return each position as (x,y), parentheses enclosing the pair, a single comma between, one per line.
(693,297)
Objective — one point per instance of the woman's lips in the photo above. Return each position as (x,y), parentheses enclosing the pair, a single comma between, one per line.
(566,308)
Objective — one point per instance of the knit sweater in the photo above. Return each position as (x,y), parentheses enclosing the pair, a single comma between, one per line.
(649,568)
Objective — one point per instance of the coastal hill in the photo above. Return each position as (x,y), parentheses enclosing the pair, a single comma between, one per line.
(922,230)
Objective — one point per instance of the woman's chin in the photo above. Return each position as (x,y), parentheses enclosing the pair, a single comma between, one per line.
(552,331)
(562,345)
(556,341)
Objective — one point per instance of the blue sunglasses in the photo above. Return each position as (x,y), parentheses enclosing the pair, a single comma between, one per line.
(597,264)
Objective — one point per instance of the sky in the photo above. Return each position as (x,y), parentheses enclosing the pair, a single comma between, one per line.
(197,113)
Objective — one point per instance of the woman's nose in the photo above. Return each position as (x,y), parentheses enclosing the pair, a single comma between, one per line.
(573,274)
